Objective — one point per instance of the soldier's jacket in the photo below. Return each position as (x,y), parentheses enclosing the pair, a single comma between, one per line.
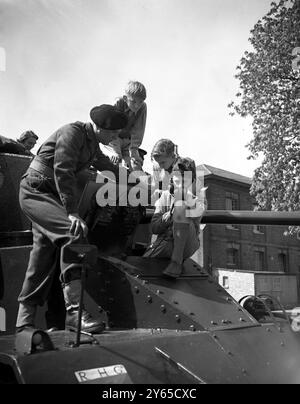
(68,151)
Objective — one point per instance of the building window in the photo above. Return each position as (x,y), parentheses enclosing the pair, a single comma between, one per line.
(283,262)
(225,282)
(259,259)
(232,254)
(232,202)
(257,229)
(232,227)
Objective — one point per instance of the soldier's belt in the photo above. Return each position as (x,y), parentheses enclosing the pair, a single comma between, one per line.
(41,167)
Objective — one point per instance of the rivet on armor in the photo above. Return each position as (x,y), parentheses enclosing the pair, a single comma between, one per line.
(163,308)
(192,328)
(136,289)
(149,299)
(177,317)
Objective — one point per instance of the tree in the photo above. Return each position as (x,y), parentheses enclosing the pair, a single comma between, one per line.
(270,94)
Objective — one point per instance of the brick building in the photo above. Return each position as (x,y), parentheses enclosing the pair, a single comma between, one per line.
(243,247)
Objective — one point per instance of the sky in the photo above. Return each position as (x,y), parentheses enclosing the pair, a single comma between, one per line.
(59,58)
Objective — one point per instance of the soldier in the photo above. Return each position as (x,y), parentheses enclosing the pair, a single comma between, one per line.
(28,140)
(48,196)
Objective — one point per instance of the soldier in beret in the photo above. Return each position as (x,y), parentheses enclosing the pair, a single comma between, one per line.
(48,196)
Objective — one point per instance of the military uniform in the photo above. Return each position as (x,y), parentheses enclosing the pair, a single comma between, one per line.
(48,194)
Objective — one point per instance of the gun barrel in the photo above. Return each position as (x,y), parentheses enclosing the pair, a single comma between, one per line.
(250,217)
(245,217)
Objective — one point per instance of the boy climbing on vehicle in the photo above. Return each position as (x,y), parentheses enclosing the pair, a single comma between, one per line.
(125,147)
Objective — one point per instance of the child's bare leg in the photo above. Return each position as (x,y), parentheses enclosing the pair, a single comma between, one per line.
(192,243)
(181,231)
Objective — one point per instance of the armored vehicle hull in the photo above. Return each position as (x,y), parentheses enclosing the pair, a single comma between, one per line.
(158,331)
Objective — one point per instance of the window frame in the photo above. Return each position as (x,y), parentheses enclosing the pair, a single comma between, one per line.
(261,250)
(233,247)
(232,197)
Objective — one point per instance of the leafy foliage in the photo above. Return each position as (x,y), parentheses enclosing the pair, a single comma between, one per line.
(270,95)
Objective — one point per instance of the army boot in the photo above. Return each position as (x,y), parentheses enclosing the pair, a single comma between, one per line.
(180,234)
(72,298)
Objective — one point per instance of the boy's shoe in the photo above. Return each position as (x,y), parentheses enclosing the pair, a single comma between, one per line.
(52,329)
(88,324)
(173,270)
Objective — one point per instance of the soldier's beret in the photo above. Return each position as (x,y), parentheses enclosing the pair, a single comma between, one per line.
(108,117)
(142,152)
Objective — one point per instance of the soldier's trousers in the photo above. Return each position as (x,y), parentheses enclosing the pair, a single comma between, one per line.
(50,227)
